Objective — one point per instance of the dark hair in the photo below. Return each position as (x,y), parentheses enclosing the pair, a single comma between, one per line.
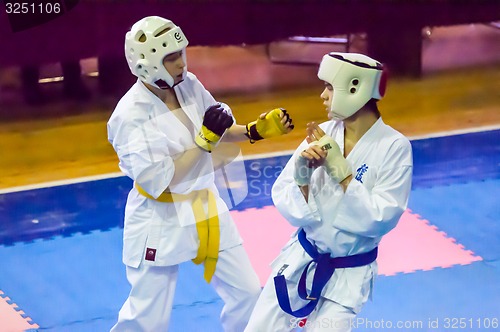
(372,106)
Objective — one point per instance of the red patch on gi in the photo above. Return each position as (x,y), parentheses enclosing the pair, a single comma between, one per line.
(150,254)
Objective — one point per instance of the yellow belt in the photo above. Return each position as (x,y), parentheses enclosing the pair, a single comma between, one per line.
(207,225)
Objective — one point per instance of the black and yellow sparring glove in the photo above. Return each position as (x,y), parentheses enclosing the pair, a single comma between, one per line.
(275,123)
(215,122)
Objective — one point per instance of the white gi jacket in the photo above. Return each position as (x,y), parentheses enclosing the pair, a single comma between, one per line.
(147,137)
(349,223)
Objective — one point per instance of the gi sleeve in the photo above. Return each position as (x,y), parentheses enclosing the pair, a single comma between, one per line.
(289,200)
(143,153)
(373,213)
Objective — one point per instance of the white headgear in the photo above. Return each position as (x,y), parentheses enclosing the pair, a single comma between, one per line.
(356,78)
(147,43)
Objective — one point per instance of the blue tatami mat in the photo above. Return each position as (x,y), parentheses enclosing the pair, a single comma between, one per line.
(66,280)
(60,247)
(78,283)
(470,293)
(467,212)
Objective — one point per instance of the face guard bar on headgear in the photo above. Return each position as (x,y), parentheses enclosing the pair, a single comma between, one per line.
(355,78)
(146,45)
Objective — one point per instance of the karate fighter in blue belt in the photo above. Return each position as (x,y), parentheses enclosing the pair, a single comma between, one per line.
(344,188)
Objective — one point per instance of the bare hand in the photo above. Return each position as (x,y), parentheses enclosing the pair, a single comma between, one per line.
(315,154)
(314,132)
(286,121)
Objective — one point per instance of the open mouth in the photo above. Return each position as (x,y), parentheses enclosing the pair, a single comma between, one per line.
(179,78)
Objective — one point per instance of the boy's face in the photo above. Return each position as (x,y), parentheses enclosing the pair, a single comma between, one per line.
(327,96)
(174,64)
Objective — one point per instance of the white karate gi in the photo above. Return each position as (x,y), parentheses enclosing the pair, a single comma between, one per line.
(342,224)
(147,137)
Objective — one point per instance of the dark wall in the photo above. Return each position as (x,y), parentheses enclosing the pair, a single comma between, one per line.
(97,28)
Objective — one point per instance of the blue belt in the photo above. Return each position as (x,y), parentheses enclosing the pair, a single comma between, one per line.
(325,266)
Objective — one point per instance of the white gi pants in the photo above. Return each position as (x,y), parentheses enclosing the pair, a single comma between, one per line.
(149,304)
(267,315)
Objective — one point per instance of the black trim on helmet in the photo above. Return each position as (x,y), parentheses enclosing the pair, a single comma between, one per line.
(357,63)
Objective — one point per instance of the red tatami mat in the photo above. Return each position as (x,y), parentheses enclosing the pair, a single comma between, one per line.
(413,245)
(12,320)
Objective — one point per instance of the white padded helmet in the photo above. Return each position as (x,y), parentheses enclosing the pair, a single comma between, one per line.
(147,43)
(356,78)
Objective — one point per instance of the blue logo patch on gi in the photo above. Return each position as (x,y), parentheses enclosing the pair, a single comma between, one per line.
(360,171)
(150,254)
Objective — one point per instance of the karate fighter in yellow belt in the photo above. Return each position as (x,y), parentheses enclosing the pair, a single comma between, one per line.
(166,132)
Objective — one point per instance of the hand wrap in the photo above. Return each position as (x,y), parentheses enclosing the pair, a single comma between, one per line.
(337,167)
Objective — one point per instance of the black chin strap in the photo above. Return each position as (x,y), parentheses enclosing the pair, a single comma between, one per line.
(164,86)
